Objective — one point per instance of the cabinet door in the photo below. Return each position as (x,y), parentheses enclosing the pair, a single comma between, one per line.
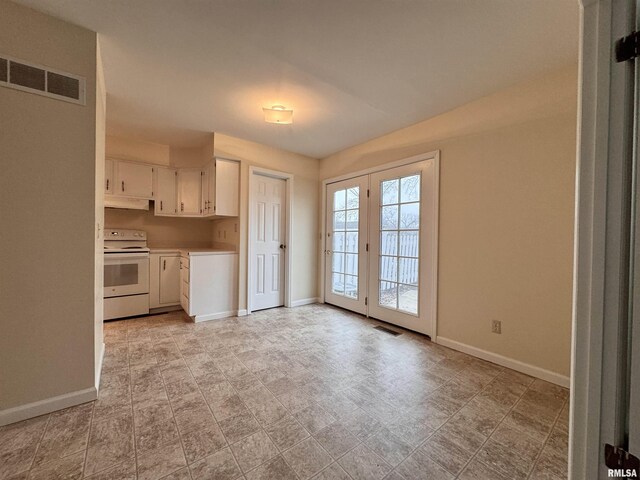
(166,202)
(204,188)
(108,176)
(169,280)
(227,186)
(189,186)
(134,180)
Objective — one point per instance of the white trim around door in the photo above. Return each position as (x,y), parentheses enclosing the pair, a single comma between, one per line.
(288,178)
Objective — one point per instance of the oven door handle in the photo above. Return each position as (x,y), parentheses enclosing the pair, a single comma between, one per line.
(124,256)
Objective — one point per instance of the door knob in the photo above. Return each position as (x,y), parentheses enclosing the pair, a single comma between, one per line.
(282,246)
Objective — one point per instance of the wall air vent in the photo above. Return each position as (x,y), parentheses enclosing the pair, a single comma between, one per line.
(41,80)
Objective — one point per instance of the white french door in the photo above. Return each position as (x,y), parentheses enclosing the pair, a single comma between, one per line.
(268,242)
(381,245)
(402,244)
(346,255)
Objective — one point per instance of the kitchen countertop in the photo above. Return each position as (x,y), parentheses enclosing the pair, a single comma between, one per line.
(193,251)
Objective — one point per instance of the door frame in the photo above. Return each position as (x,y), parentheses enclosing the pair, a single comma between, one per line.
(599,281)
(433,155)
(288,209)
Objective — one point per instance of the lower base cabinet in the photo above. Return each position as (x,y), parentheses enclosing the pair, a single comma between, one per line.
(209,285)
(164,280)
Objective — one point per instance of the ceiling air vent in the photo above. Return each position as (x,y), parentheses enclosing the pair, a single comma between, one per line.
(41,80)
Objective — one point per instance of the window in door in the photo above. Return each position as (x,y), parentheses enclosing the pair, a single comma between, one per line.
(344,271)
(398,280)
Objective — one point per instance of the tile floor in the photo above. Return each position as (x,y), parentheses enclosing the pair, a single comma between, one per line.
(311,392)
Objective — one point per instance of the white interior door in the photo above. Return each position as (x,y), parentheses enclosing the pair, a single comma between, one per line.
(267,242)
(346,255)
(402,236)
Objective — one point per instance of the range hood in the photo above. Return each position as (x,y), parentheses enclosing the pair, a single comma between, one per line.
(126,203)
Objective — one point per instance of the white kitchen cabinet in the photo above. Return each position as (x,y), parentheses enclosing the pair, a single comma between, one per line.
(108,176)
(166,195)
(209,286)
(221,186)
(208,188)
(164,279)
(169,280)
(184,284)
(227,186)
(189,192)
(134,180)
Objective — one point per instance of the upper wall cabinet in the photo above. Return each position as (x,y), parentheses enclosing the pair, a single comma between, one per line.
(189,192)
(212,191)
(220,188)
(108,176)
(134,180)
(166,193)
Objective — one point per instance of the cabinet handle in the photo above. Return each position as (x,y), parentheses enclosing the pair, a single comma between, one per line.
(123,185)
(182,206)
(161,205)
(107,184)
(164,265)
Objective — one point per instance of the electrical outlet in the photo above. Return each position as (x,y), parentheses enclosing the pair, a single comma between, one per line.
(496,326)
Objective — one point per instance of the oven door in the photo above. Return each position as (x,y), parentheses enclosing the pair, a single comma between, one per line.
(126,274)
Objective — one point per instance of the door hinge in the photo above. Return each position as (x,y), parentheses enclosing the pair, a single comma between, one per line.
(366,301)
(628,48)
(617,458)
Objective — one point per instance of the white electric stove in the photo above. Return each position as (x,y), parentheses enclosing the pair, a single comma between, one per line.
(126,273)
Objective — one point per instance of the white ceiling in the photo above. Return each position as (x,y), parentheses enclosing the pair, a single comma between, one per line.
(352,70)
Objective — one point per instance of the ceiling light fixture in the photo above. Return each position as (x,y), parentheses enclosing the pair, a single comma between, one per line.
(278,114)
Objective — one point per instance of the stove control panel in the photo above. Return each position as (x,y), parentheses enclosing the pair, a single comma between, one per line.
(123,234)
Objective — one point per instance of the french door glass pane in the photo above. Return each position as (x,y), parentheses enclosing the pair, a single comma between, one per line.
(399,240)
(337,284)
(410,189)
(389,217)
(351,242)
(388,295)
(389,192)
(410,216)
(344,279)
(389,243)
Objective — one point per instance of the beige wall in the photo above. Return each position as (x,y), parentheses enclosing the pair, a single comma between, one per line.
(304,245)
(146,152)
(506,216)
(47,217)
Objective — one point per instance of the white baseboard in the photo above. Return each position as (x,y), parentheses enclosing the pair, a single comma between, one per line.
(516,365)
(99,367)
(242,313)
(215,316)
(304,301)
(48,405)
